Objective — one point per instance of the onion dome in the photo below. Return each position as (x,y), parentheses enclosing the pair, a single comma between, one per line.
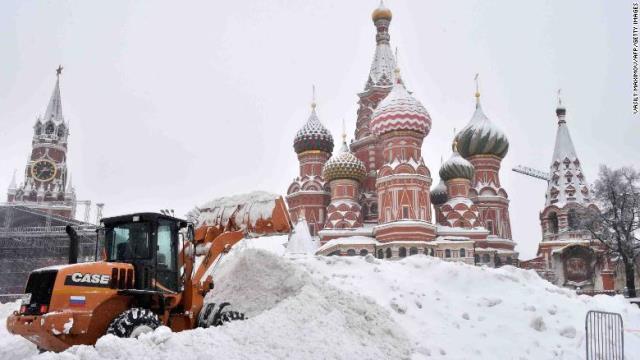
(382,12)
(481,136)
(456,167)
(343,165)
(400,111)
(313,135)
(439,194)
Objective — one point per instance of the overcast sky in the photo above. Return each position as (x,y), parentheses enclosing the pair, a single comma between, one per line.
(174,103)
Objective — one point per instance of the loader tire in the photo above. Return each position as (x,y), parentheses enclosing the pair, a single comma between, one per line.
(222,316)
(134,322)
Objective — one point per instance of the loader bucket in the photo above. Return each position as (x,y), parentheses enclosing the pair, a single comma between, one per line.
(257,214)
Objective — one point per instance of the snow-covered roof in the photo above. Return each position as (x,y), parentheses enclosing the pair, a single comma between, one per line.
(313,135)
(456,167)
(568,183)
(351,240)
(344,165)
(481,136)
(399,110)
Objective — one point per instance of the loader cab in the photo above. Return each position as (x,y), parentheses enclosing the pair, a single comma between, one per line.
(148,241)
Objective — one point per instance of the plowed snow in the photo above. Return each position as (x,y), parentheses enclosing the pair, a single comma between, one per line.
(310,307)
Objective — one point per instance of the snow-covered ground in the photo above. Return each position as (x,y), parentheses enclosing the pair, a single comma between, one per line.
(311,307)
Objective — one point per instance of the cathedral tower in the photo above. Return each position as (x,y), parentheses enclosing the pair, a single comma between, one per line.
(308,194)
(47,184)
(458,211)
(485,145)
(344,172)
(401,122)
(366,146)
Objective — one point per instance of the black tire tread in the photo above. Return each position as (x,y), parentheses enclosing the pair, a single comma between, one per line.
(123,325)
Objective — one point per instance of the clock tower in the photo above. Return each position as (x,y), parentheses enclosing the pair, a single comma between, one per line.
(47,183)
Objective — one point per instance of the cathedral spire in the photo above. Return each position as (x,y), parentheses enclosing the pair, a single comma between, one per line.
(568,183)
(381,73)
(54,109)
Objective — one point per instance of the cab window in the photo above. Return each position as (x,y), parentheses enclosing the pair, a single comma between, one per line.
(128,241)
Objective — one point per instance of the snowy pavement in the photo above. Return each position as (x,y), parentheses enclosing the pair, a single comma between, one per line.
(311,307)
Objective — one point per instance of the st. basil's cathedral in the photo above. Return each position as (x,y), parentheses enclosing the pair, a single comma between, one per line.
(375,195)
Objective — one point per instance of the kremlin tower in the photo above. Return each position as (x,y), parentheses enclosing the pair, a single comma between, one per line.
(47,183)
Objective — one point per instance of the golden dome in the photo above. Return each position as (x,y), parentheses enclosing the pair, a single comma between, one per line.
(381,13)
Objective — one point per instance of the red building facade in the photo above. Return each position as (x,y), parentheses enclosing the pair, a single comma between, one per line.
(380,202)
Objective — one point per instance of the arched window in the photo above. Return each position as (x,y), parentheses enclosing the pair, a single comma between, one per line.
(463,253)
(61,131)
(476,258)
(388,253)
(38,129)
(572,219)
(380,254)
(447,253)
(374,209)
(432,252)
(402,252)
(486,258)
(413,251)
(351,252)
(498,261)
(509,260)
(49,129)
(364,252)
(553,223)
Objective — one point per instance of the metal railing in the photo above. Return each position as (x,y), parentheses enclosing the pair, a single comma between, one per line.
(604,336)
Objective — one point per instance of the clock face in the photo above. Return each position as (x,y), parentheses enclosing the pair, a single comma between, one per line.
(43,170)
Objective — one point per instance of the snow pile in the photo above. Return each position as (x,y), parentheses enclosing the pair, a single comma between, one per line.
(252,207)
(13,347)
(300,240)
(313,307)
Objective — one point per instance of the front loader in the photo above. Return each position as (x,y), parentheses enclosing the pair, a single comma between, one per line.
(154,270)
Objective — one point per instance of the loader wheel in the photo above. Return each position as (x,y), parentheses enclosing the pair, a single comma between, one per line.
(134,322)
(210,315)
(222,316)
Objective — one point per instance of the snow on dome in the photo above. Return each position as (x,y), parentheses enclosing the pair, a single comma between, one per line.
(482,137)
(456,167)
(400,111)
(439,193)
(381,12)
(313,136)
(344,165)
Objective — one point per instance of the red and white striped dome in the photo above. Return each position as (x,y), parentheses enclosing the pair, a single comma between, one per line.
(400,111)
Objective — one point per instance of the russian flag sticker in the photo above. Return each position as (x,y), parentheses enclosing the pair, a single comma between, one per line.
(77,300)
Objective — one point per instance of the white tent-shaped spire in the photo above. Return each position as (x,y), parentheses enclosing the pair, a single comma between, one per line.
(567,183)
(54,109)
(384,62)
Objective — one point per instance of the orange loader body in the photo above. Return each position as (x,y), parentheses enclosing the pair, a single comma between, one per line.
(86,297)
